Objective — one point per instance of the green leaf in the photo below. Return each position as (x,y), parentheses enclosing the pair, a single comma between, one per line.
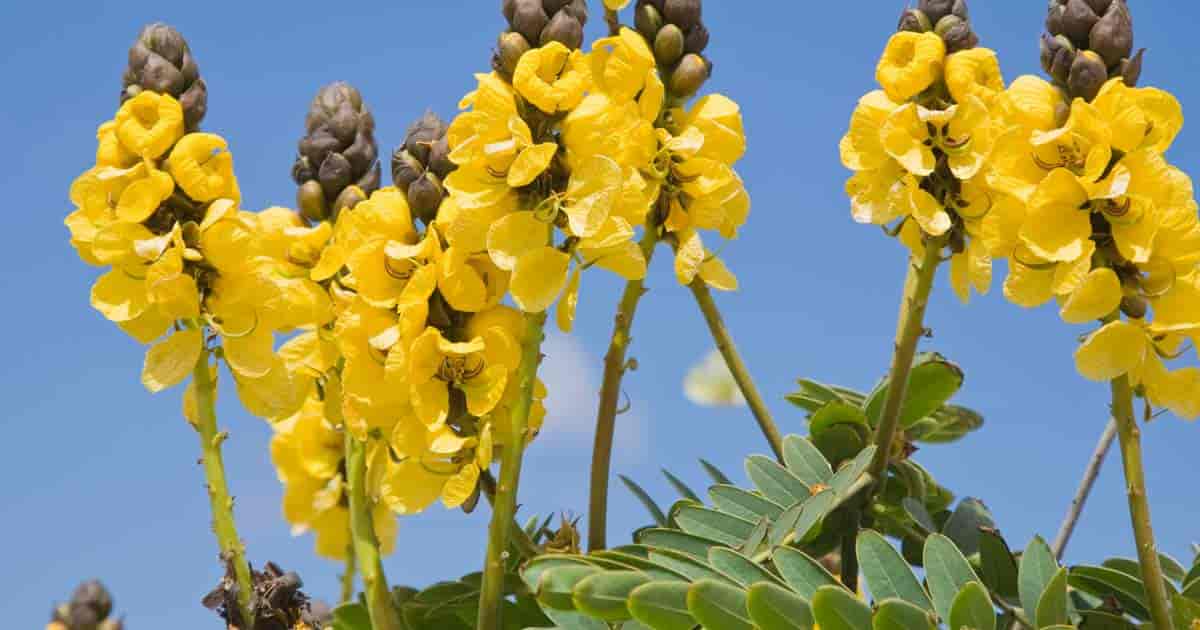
(1192,575)
(848,474)
(656,512)
(1037,568)
(804,574)
(1172,570)
(1192,590)
(1097,620)
(965,523)
(800,520)
(556,587)
(774,481)
(688,566)
(972,608)
(680,487)
(950,424)
(998,565)
(745,504)
(1105,582)
(1052,607)
(655,571)
(947,571)
(813,395)
(351,616)
(532,573)
(711,524)
(757,537)
(839,430)
(662,606)
(919,514)
(741,569)
(805,461)
(897,614)
(834,608)
(604,595)
(714,472)
(773,607)
(718,605)
(932,381)
(1185,611)
(695,546)
(564,620)
(887,573)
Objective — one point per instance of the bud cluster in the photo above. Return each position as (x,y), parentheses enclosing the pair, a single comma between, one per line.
(949,19)
(160,61)
(421,163)
(535,23)
(1089,42)
(276,603)
(338,163)
(88,609)
(676,32)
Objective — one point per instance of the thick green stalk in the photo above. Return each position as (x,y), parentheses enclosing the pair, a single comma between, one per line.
(218,491)
(725,345)
(366,545)
(909,329)
(505,506)
(610,394)
(521,541)
(1130,436)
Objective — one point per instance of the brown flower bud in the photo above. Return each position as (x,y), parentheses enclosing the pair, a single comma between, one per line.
(696,40)
(1077,21)
(648,21)
(508,52)
(578,9)
(691,74)
(439,157)
(1112,36)
(957,33)
(668,45)
(1088,75)
(553,6)
(419,138)
(1057,56)
(915,21)
(506,8)
(160,61)
(1131,69)
(564,29)
(349,198)
(335,174)
(936,9)
(425,196)
(683,13)
(1099,6)
(405,168)
(1135,307)
(310,199)
(529,18)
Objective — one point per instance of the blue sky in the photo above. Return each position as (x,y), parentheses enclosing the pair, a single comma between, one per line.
(101,478)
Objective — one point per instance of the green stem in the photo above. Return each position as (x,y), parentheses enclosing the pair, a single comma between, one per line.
(910,328)
(521,541)
(1130,436)
(850,553)
(348,576)
(610,393)
(505,506)
(725,345)
(366,546)
(218,491)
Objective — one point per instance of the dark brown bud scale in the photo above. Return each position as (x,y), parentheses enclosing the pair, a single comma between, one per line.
(160,61)
(421,163)
(1102,28)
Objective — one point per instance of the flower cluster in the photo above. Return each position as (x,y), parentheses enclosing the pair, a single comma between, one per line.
(920,147)
(1105,225)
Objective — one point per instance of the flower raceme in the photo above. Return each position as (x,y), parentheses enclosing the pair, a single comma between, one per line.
(1106,226)
(920,149)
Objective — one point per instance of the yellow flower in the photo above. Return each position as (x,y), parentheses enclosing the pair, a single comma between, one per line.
(623,67)
(1139,117)
(149,123)
(1023,158)
(375,343)
(470,282)
(616,5)
(1033,281)
(876,195)
(862,147)
(110,151)
(719,120)
(961,131)
(477,369)
(553,77)
(493,136)
(203,167)
(603,125)
(170,362)
(693,260)
(974,73)
(392,265)
(1032,103)
(910,63)
(1123,348)
(477,200)
(1059,221)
